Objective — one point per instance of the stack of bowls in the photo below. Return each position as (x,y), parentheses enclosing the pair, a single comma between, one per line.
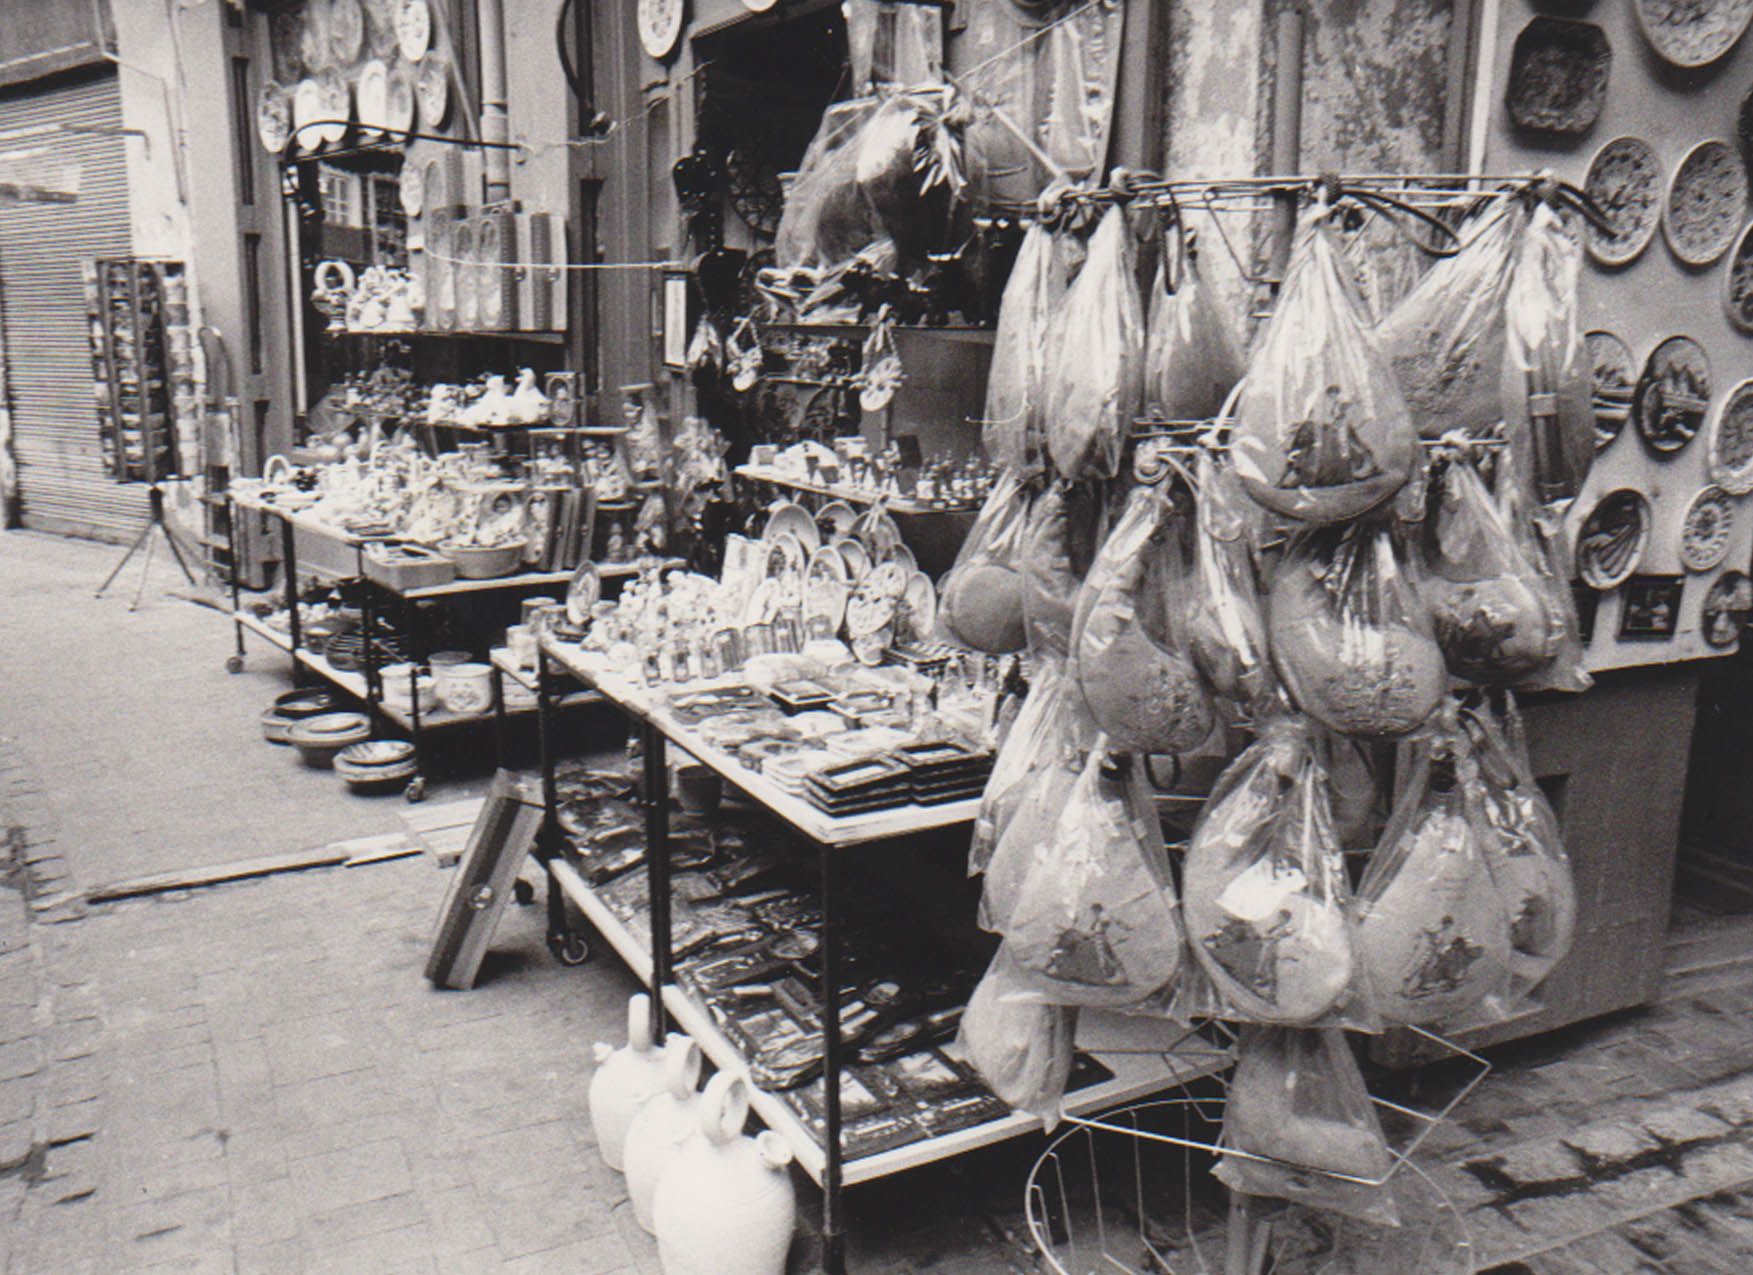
(293,707)
(319,738)
(376,764)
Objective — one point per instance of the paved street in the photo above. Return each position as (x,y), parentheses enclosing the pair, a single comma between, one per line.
(255,1076)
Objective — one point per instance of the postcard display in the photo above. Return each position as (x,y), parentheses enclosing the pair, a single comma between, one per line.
(1643,108)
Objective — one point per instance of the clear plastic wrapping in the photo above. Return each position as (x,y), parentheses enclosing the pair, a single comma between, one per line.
(1322,433)
(1191,359)
(1350,635)
(1298,1097)
(826,221)
(980,598)
(1264,893)
(1096,922)
(1097,373)
(1129,645)
(915,173)
(1226,629)
(1433,934)
(1030,743)
(1446,337)
(1021,1048)
(1486,597)
(1056,552)
(1016,383)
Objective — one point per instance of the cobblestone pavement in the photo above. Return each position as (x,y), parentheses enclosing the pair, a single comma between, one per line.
(255,1077)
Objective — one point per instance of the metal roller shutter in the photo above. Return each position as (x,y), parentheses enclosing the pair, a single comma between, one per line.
(61,480)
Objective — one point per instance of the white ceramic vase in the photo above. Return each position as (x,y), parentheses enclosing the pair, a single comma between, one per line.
(624,1079)
(725,1204)
(666,1121)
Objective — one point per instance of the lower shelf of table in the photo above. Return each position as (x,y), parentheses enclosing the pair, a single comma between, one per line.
(1135,1074)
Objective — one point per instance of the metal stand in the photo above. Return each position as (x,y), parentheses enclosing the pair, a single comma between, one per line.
(154,522)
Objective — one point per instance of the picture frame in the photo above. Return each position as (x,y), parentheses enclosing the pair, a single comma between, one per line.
(1650,608)
(676,296)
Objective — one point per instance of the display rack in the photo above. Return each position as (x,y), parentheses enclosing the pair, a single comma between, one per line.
(853,495)
(136,311)
(1135,1072)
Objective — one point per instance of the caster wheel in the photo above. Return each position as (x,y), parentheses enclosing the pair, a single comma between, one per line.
(415,791)
(569,949)
(234,664)
(524,892)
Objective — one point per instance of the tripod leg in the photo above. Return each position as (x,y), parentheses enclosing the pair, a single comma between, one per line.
(177,553)
(126,557)
(145,571)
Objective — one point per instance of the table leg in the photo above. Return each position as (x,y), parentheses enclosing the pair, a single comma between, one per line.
(289,567)
(655,792)
(236,572)
(833,1221)
(499,725)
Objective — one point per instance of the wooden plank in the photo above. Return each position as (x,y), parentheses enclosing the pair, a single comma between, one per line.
(237,870)
(446,814)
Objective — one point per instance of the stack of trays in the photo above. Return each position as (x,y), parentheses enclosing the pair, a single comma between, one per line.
(859,786)
(943,771)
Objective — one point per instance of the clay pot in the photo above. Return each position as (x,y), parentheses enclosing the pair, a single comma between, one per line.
(668,1119)
(623,1081)
(726,1205)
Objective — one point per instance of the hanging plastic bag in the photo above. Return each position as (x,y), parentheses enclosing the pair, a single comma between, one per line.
(1487,600)
(1016,382)
(1096,922)
(1350,635)
(1226,631)
(1526,852)
(1446,337)
(1191,360)
(1432,932)
(827,221)
(1321,433)
(913,171)
(1264,893)
(1056,551)
(1096,376)
(1298,1097)
(1129,646)
(1030,744)
(980,598)
(1021,1048)
(1548,387)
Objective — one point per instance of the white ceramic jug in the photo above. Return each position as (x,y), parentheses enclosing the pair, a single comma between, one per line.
(623,1080)
(726,1204)
(663,1124)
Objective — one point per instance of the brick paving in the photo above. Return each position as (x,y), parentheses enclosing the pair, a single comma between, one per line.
(255,1077)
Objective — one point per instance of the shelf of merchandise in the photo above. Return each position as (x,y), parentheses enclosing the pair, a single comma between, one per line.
(1136,1071)
(446,334)
(851,495)
(523,580)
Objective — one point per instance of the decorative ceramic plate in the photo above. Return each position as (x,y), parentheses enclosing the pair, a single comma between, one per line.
(411,188)
(826,588)
(1612,539)
(660,26)
(1731,441)
(313,37)
(902,557)
(1625,179)
(855,555)
(787,518)
(346,31)
(307,108)
(1692,33)
(1738,283)
(1615,380)
(1706,201)
(377,752)
(1558,76)
(336,106)
(414,29)
(878,532)
(372,92)
(1705,531)
(432,91)
(398,108)
(836,519)
(273,117)
(918,618)
(786,560)
(583,592)
(1672,394)
(1727,604)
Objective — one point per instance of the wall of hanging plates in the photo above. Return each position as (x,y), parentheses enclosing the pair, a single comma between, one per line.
(1646,105)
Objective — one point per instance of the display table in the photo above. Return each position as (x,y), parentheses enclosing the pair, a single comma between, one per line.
(1138,1068)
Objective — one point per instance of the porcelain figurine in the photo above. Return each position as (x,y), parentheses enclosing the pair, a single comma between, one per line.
(666,1121)
(529,406)
(726,1204)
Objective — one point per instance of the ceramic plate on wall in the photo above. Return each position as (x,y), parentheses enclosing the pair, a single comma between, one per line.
(1672,395)
(1615,380)
(336,106)
(372,91)
(1731,441)
(273,117)
(1612,539)
(1625,180)
(1727,604)
(313,37)
(432,90)
(346,31)
(1707,200)
(307,108)
(398,109)
(413,29)
(1705,531)
(1738,283)
(1692,33)
(1558,76)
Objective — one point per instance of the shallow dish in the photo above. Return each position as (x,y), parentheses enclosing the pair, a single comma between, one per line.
(788,518)
(1706,200)
(1738,283)
(319,739)
(1615,381)
(309,702)
(1672,395)
(1612,539)
(376,754)
(1731,441)
(477,563)
(1692,33)
(1706,529)
(1558,76)
(1625,179)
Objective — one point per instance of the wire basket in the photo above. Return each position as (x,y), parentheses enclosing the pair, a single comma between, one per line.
(1133,1194)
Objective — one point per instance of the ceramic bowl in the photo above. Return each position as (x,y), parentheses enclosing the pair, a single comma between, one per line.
(319,739)
(476,563)
(397,692)
(308,702)
(274,726)
(376,754)
(466,688)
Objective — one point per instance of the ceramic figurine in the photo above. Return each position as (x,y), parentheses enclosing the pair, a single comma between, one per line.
(624,1079)
(662,1125)
(528,405)
(726,1204)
